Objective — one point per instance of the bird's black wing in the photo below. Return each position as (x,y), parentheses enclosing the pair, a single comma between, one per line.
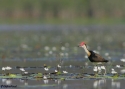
(94,57)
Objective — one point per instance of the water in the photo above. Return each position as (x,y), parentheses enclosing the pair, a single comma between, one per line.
(79,75)
(53,45)
(70,84)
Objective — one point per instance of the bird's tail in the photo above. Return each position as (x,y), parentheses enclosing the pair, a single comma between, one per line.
(105,60)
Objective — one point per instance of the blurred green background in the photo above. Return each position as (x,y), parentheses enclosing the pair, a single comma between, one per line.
(62,11)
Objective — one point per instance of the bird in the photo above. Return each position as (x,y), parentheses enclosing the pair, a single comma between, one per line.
(92,56)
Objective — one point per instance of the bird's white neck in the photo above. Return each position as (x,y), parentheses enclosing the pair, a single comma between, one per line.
(86,50)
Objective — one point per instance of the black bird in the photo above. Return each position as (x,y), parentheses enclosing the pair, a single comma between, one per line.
(92,56)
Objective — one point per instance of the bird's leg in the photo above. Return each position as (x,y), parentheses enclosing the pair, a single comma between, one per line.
(103,67)
(104,70)
(97,70)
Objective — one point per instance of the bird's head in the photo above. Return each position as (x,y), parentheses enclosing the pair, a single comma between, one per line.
(81,44)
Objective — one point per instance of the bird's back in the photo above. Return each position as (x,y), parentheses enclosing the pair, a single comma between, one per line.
(94,57)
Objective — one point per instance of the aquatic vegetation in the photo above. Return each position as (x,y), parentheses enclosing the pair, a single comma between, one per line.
(64,76)
(38,75)
(11,76)
(48,79)
(115,76)
(58,73)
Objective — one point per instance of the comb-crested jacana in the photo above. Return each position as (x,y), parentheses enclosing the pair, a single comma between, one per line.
(92,56)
